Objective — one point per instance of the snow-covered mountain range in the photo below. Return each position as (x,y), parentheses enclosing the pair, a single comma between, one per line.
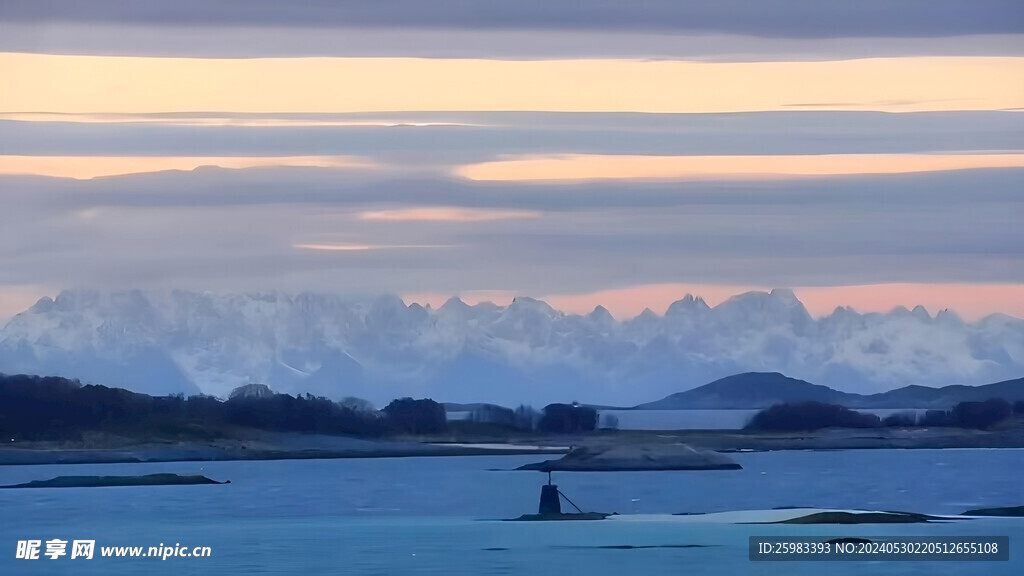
(380,348)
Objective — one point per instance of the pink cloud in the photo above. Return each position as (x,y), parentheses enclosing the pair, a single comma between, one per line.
(325,247)
(577,167)
(446,214)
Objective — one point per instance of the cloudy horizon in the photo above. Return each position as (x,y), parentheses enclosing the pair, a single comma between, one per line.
(867,155)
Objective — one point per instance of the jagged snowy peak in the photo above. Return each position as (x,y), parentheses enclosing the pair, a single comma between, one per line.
(688,305)
(379,347)
(765,310)
(454,305)
(601,319)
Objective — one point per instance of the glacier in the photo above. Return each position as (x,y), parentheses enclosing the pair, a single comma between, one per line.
(379,347)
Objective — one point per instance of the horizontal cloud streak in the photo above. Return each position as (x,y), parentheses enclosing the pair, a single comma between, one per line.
(87,167)
(460,137)
(445,214)
(161,40)
(377,190)
(613,167)
(785,18)
(362,247)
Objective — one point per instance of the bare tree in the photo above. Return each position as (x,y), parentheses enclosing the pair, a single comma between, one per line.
(357,404)
(609,421)
(252,391)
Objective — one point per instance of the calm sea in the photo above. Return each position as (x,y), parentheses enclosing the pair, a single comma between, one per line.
(700,419)
(437,515)
(687,419)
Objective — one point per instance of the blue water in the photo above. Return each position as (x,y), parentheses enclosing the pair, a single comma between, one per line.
(703,419)
(434,515)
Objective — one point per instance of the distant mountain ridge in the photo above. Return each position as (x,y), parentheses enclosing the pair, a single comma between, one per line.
(757,390)
(379,347)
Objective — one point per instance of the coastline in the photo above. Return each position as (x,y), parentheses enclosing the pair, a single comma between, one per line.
(286,446)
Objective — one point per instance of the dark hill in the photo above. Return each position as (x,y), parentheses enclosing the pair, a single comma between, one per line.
(945,397)
(757,390)
(747,391)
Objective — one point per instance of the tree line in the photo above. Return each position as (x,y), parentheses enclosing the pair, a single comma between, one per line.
(555,418)
(816,415)
(54,408)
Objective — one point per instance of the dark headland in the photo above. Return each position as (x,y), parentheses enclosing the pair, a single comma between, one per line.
(102,481)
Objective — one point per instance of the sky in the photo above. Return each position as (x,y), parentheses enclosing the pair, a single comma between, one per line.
(866,154)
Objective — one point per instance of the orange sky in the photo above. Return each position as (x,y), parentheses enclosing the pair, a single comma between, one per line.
(105,84)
